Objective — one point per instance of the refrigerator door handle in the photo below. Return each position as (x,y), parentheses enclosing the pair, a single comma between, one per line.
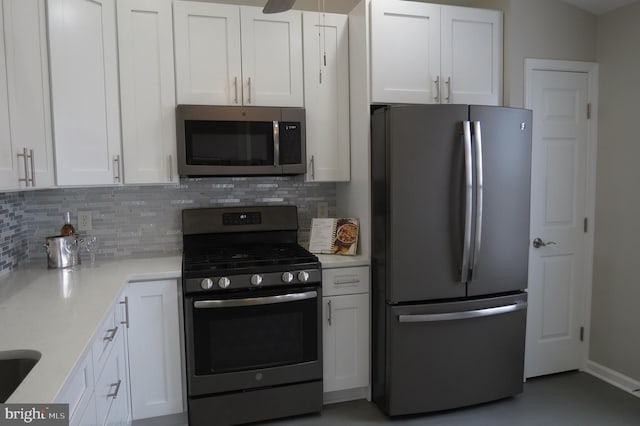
(476,313)
(468,208)
(479,191)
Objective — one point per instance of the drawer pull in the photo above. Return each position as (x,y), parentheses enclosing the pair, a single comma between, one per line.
(111,333)
(346,280)
(115,393)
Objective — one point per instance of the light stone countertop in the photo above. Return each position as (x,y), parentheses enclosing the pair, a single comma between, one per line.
(57,311)
(341,261)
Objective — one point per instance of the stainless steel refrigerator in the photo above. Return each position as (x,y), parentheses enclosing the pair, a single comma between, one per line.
(450,203)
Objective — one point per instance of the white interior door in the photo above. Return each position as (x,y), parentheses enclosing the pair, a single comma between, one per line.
(559,265)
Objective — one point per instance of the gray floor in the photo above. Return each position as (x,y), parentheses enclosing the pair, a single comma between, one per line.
(566,399)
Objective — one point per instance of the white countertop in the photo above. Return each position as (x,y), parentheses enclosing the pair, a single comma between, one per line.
(57,311)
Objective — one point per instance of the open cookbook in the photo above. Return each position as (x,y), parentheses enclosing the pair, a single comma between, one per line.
(334,236)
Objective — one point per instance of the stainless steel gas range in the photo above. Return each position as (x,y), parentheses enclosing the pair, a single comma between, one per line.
(252,308)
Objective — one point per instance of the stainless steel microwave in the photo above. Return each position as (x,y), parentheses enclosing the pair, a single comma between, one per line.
(239,141)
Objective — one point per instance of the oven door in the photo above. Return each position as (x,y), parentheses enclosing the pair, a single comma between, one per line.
(254,339)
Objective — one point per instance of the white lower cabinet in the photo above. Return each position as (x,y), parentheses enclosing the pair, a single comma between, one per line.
(345,328)
(153,337)
(111,387)
(97,390)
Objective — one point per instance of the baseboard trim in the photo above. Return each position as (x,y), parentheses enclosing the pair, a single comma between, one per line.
(613,377)
(345,395)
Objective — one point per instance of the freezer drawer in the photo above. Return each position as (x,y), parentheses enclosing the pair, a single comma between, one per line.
(448,355)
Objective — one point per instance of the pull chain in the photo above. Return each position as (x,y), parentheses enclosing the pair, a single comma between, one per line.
(322,39)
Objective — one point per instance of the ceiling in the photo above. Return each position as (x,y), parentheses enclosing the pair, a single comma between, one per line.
(599,7)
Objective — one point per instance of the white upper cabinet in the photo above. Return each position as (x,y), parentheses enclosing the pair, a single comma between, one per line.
(426,53)
(471,56)
(84,87)
(236,55)
(147,91)
(405,52)
(26,153)
(326,86)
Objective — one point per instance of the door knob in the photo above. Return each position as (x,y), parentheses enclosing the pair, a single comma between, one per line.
(537,243)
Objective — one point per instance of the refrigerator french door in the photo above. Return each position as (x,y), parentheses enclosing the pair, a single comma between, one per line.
(450,210)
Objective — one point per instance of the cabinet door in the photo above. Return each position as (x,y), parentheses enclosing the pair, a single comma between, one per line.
(154,349)
(207,41)
(272,58)
(405,52)
(471,56)
(8,159)
(346,342)
(147,91)
(84,86)
(28,89)
(326,87)
(111,387)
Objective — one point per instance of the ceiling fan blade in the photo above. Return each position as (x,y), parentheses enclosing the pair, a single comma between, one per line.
(277,6)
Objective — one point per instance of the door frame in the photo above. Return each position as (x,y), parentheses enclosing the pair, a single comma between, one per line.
(591,69)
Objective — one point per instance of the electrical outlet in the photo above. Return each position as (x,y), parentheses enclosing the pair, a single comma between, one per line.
(322,209)
(84,221)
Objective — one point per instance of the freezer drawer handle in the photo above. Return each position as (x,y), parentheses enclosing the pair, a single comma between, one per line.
(254,301)
(464,314)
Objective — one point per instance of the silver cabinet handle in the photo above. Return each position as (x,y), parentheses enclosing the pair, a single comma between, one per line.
(254,301)
(111,333)
(329,312)
(276,143)
(448,83)
(125,302)
(436,98)
(235,89)
(346,280)
(479,192)
(115,393)
(312,163)
(466,125)
(537,243)
(464,314)
(170,168)
(249,88)
(33,168)
(116,168)
(27,157)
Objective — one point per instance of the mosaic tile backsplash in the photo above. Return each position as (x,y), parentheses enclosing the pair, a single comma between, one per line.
(13,241)
(145,220)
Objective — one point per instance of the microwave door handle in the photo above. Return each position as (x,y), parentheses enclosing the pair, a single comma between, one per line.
(276,143)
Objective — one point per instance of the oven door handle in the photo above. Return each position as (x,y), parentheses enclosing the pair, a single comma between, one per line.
(253,301)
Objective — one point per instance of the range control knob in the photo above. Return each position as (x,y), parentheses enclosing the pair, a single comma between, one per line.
(287,277)
(303,276)
(224,282)
(256,279)
(206,283)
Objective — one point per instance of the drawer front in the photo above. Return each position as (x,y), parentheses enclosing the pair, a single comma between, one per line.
(337,281)
(103,341)
(111,384)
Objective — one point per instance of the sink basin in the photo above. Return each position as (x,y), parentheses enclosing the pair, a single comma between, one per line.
(14,367)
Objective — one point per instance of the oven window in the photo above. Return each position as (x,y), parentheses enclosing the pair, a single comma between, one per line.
(229,143)
(249,337)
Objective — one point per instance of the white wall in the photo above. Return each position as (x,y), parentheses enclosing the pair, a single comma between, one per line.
(615,330)
(543,29)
